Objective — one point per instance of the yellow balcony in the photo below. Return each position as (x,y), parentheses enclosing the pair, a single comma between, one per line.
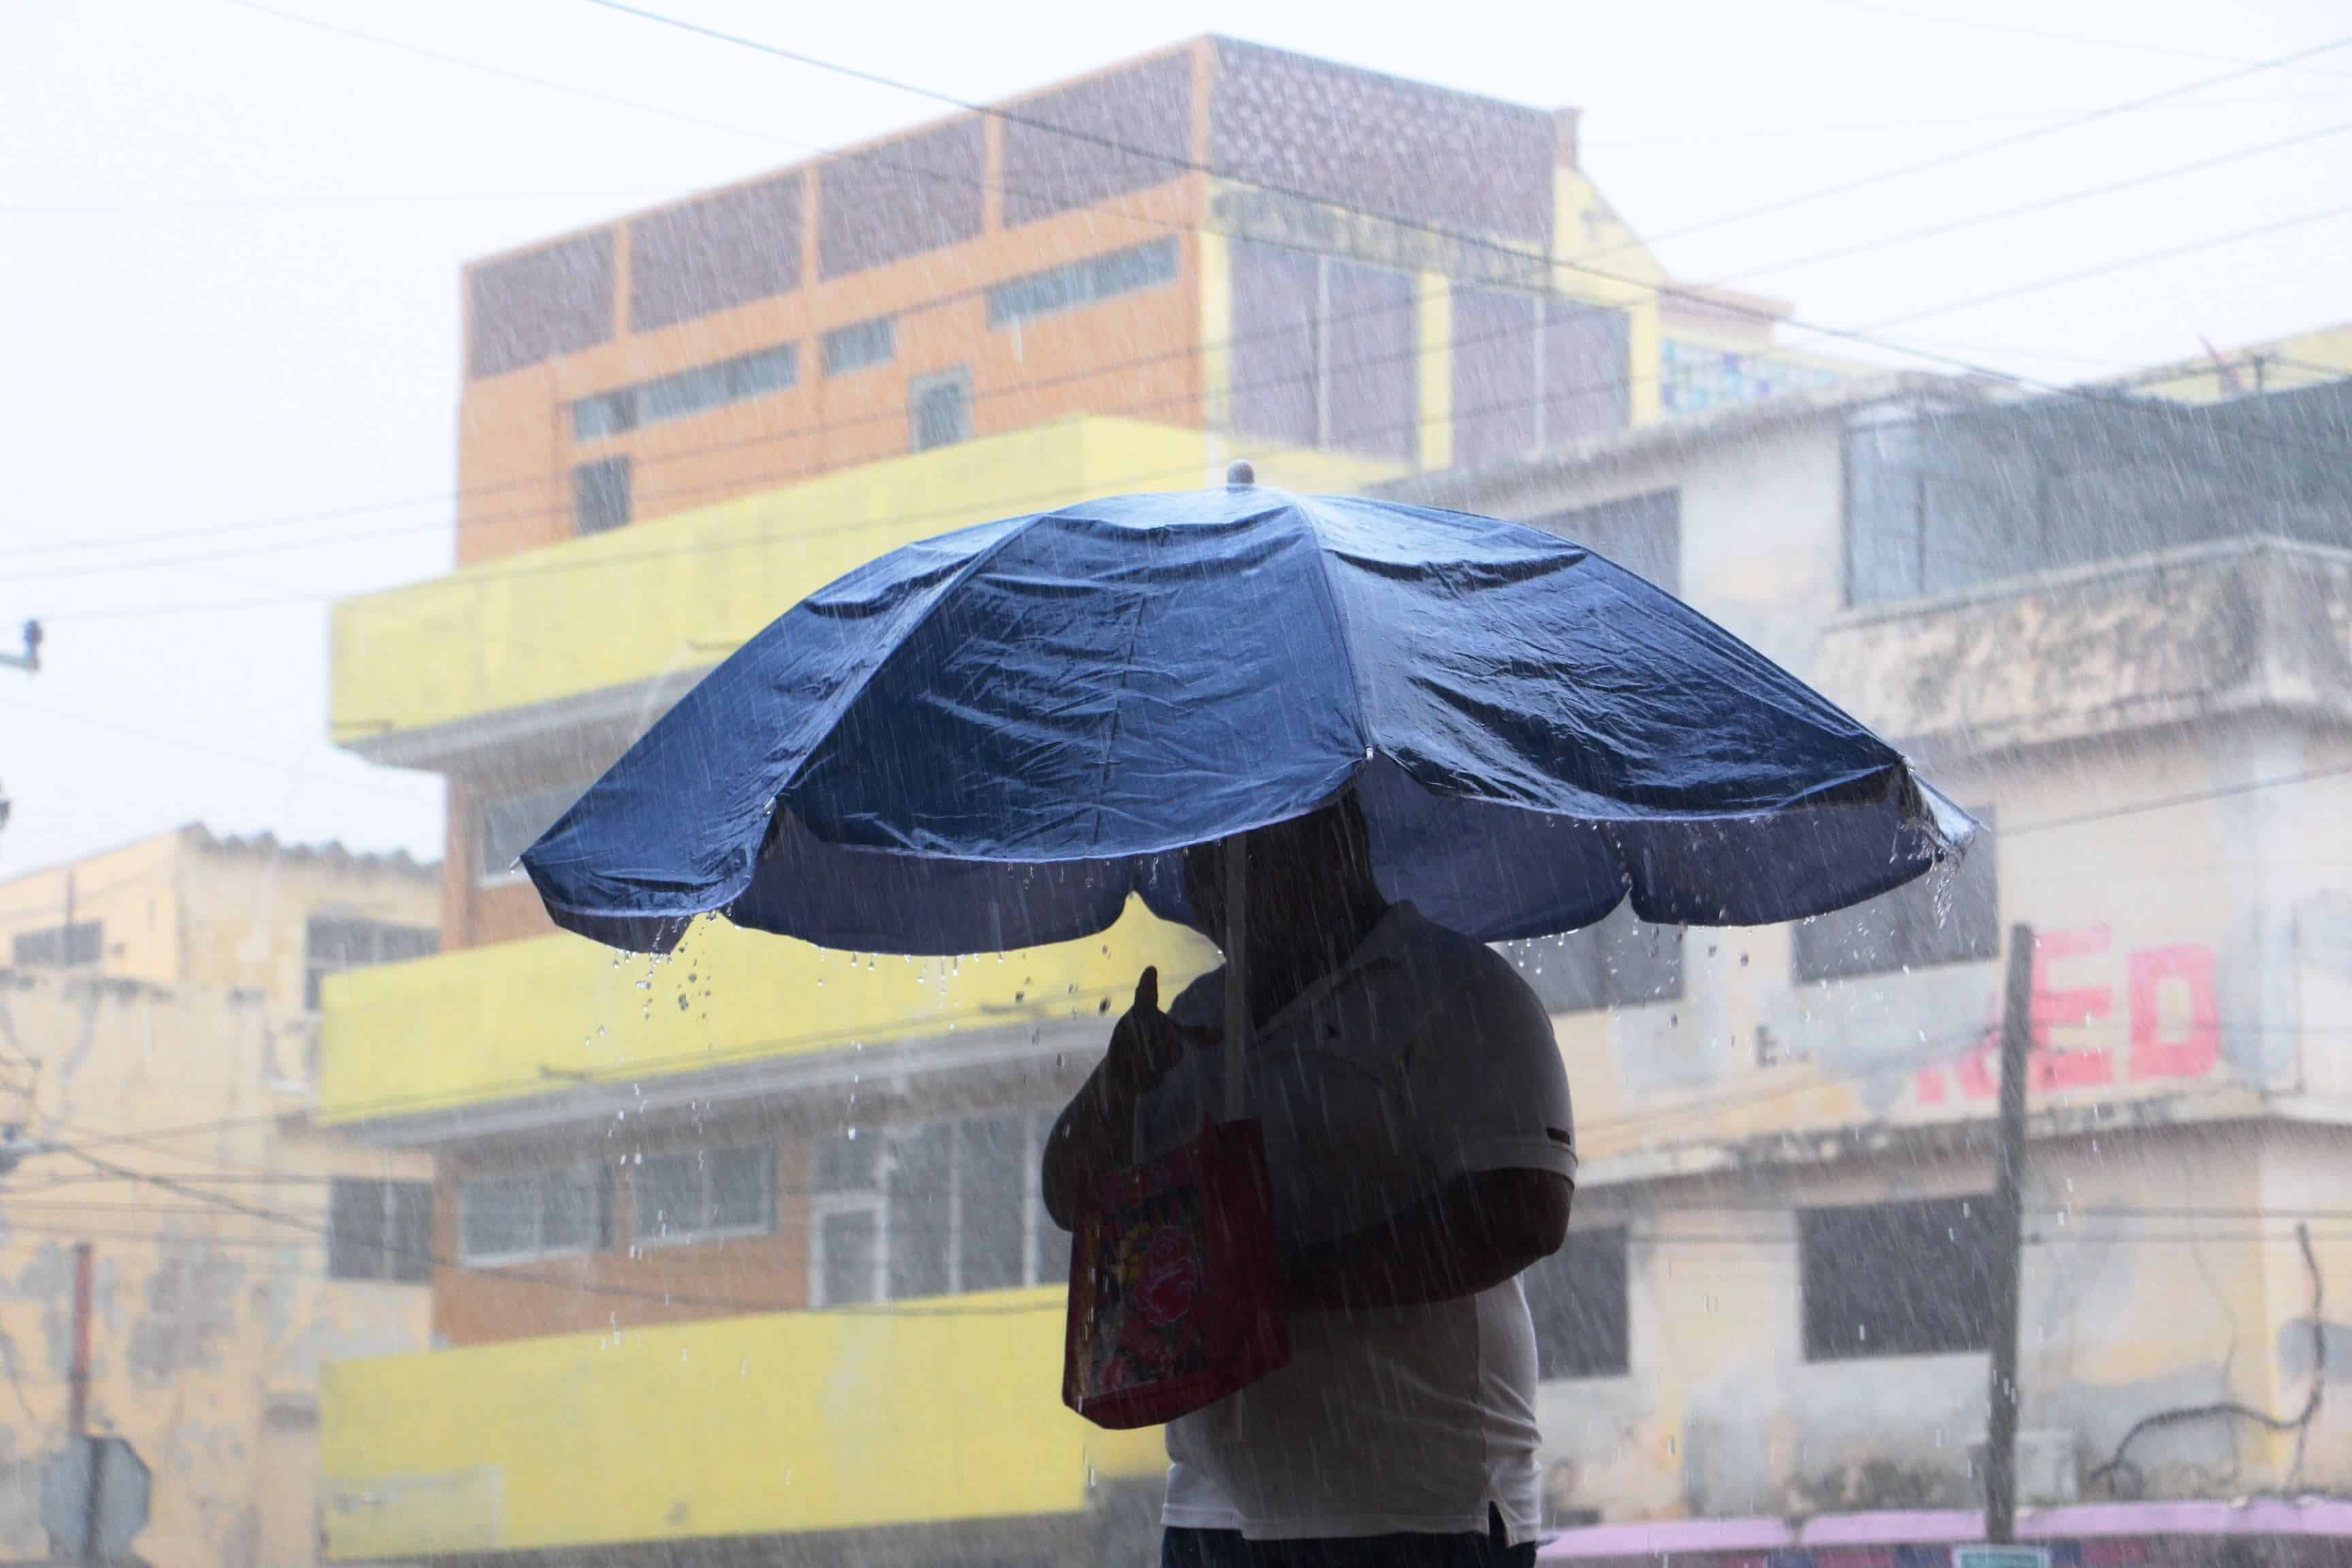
(675,593)
(777,1425)
(558,1013)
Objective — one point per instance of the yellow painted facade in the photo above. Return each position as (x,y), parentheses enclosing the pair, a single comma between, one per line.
(526,1018)
(680,592)
(921,1414)
(2299,359)
(185,908)
(215,1307)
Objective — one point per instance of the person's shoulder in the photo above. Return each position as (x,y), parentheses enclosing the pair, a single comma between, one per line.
(1201,1003)
(1469,969)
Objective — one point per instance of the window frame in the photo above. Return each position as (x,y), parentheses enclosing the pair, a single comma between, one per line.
(1036,1126)
(593,480)
(1819,1327)
(63,937)
(1617,1241)
(387,1250)
(315,973)
(1082,284)
(1591,946)
(923,386)
(701,1160)
(478,817)
(1979,860)
(600,1182)
(859,346)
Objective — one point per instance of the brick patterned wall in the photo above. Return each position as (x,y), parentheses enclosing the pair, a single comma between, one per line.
(902,198)
(1396,148)
(725,250)
(549,302)
(1148,107)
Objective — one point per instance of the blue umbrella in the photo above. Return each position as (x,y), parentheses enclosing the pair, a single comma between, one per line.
(990,739)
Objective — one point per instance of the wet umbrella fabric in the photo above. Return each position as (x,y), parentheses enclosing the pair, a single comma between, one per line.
(989,740)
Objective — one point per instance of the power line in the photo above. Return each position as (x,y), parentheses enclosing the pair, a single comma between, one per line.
(822,428)
(1978,150)
(2140,46)
(1003,114)
(2211,242)
(2022,209)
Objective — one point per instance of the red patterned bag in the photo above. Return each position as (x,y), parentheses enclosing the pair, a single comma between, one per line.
(1175,1283)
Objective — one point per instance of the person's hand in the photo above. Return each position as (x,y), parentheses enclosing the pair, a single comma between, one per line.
(1147,1044)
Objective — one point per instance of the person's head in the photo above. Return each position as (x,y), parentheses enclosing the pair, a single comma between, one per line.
(1302,873)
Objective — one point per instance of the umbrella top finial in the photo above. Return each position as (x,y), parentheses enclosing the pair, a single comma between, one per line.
(1241,471)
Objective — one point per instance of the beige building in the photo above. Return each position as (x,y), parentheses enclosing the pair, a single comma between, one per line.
(157,1047)
(2123,637)
(243,915)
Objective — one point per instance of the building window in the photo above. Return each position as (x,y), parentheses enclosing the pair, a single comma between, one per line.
(60,947)
(600,496)
(1694,376)
(1897,1278)
(606,415)
(1578,1299)
(696,1194)
(1083,283)
(685,394)
(1642,533)
(506,825)
(1532,370)
(532,1213)
(1323,351)
(331,944)
(1617,962)
(1950,915)
(860,345)
(380,1230)
(932,1209)
(940,410)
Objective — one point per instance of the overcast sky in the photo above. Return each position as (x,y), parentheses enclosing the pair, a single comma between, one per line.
(229,243)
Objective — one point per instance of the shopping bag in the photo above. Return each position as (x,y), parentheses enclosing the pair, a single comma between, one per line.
(1175,1283)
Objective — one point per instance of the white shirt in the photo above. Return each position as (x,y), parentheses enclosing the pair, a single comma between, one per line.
(1423,1058)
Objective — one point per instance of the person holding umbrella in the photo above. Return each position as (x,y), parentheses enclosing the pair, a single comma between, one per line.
(1418,1135)
(1404,732)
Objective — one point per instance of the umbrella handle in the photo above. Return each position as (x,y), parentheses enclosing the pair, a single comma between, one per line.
(1237,1010)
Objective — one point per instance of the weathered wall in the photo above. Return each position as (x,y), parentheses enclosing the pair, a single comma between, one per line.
(212,1313)
(2192,997)
(184,907)
(2148,1285)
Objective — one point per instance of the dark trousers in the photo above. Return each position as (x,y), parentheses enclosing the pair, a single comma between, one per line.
(1183,1548)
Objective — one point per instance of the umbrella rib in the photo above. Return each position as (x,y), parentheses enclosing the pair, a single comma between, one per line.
(1118,711)
(1311,506)
(856,690)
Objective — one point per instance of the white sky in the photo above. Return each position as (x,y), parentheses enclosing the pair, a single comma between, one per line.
(229,245)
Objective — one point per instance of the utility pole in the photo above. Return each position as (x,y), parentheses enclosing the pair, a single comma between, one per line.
(79,1414)
(29,660)
(2008,1241)
(77,1410)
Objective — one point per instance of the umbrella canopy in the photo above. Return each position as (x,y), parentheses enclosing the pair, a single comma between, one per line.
(990,739)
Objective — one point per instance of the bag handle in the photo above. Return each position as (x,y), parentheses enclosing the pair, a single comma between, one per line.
(1237,1010)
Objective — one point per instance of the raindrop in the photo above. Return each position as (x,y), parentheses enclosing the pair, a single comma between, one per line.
(1743,960)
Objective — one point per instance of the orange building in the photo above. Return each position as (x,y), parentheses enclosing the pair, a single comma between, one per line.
(674,426)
